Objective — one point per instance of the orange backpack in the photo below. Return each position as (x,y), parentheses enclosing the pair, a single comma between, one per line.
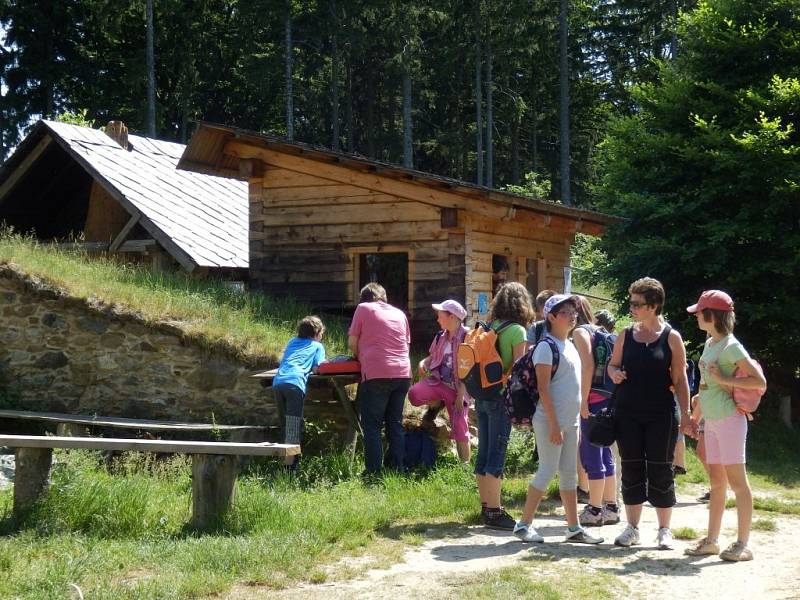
(480,367)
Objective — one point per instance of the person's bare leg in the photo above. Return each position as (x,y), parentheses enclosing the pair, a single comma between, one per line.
(532,501)
(610,489)
(596,491)
(463,449)
(583,477)
(664,516)
(679,459)
(737,478)
(716,506)
(633,513)
(569,498)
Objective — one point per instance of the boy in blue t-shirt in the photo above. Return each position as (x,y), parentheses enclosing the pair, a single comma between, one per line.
(301,356)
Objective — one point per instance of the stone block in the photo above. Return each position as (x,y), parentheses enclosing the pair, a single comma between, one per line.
(51,360)
(112,340)
(214,374)
(54,321)
(92,325)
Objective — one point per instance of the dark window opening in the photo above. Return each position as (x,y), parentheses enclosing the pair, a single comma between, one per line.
(390,269)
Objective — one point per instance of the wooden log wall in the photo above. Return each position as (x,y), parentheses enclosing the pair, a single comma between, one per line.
(536,253)
(105,217)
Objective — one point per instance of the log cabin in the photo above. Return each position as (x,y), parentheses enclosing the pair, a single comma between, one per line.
(122,194)
(324,223)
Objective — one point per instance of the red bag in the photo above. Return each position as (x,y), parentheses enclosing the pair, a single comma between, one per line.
(747,400)
(347,366)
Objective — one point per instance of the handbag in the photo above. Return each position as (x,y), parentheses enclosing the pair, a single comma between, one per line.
(600,430)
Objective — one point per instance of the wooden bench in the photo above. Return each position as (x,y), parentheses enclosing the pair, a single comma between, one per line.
(214,466)
(69,424)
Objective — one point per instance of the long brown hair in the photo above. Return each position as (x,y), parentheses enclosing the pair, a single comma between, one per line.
(512,302)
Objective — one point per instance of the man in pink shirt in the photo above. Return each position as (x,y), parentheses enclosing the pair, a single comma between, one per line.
(379,337)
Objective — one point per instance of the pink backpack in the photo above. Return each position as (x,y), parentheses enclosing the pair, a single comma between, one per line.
(747,400)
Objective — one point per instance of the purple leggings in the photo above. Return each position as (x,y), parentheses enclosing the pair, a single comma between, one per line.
(598,462)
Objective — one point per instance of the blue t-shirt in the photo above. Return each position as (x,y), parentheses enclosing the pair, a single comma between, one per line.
(301,355)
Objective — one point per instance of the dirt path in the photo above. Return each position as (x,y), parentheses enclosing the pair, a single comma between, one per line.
(435,568)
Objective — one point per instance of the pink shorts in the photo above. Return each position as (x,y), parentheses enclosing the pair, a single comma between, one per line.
(423,392)
(725,440)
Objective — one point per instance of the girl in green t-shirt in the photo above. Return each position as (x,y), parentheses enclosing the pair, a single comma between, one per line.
(725,431)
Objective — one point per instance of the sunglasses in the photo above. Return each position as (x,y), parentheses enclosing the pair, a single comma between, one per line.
(635,305)
(567,313)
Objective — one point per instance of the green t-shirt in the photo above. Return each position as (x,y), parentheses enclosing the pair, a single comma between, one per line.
(508,338)
(716,401)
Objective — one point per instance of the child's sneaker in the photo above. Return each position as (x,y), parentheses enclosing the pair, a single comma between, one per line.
(628,537)
(664,539)
(705,498)
(591,516)
(736,552)
(526,533)
(704,547)
(610,514)
(499,520)
(581,537)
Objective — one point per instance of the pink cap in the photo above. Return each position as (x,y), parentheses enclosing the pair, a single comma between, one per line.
(453,307)
(716,299)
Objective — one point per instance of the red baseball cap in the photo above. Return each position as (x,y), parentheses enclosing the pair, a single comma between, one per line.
(716,299)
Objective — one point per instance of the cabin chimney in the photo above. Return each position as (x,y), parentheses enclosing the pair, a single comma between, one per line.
(117,131)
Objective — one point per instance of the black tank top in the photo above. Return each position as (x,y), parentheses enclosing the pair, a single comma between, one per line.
(647,367)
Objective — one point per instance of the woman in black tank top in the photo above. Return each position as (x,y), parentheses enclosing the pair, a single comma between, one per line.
(648,358)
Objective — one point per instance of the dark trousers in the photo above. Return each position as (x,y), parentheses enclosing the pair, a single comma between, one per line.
(646,443)
(381,403)
(289,399)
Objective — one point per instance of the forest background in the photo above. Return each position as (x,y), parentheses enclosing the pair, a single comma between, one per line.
(681,115)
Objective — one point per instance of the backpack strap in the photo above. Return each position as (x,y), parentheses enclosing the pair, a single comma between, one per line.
(553,349)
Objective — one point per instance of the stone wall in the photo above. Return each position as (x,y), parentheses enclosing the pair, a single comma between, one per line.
(66,354)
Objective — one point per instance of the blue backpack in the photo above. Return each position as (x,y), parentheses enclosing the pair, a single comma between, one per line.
(602,348)
(419,449)
(522,392)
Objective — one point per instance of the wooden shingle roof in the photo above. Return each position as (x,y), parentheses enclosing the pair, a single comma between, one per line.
(202,220)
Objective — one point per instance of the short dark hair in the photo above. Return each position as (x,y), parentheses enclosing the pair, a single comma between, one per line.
(605,319)
(543,297)
(310,327)
(724,320)
(373,292)
(652,290)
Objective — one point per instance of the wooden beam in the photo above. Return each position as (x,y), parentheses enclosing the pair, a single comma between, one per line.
(251,169)
(117,242)
(373,181)
(137,246)
(24,166)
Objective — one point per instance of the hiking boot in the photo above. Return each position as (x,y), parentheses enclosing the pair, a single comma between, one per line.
(526,533)
(502,520)
(581,537)
(705,498)
(583,495)
(704,547)
(736,551)
(628,537)
(610,514)
(664,539)
(591,516)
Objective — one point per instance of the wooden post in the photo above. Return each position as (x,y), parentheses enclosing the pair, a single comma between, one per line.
(213,479)
(785,410)
(353,422)
(31,477)
(71,430)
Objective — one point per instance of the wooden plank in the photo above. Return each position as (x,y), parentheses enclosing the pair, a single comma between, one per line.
(373,181)
(290,195)
(105,217)
(136,445)
(24,166)
(369,233)
(124,232)
(120,422)
(332,214)
(283,178)
(366,199)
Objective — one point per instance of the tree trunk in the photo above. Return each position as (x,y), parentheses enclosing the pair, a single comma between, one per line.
(673,46)
(151,72)
(566,197)
(489,117)
(478,98)
(335,138)
(408,147)
(515,149)
(351,145)
(288,73)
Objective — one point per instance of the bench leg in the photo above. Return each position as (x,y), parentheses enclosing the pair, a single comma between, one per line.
(213,479)
(31,477)
(353,422)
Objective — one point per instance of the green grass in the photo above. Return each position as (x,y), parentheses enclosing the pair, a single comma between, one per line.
(763,524)
(252,326)
(529,582)
(685,533)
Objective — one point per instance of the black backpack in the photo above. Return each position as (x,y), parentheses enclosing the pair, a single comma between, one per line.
(522,391)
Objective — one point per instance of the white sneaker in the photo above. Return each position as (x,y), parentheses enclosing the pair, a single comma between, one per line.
(628,537)
(526,533)
(664,539)
(581,537)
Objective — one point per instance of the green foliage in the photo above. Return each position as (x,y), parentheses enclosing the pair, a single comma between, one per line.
(80,118)
(707,175)
(533,186)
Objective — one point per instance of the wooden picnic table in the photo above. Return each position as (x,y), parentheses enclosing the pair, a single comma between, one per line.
(336,383)
(73,424)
